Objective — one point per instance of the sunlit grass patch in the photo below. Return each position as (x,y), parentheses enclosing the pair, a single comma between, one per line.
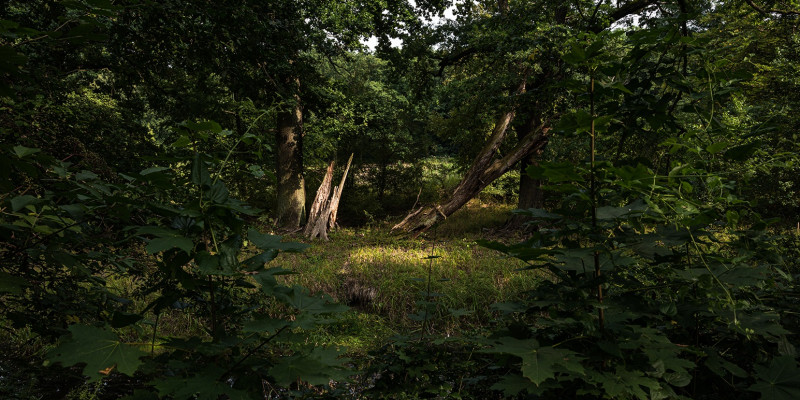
(475,220)
(386,275)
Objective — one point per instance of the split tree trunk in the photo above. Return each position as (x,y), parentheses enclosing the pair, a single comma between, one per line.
(337,195)
(291,205)
(322,216)
(320,204)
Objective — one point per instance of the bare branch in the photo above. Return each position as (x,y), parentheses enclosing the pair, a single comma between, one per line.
(771,11)
(625,10)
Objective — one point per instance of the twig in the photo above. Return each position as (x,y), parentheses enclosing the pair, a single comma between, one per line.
(417,200)
(251,352)
(771,11)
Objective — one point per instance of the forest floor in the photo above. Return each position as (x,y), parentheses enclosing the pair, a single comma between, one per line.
(386,278)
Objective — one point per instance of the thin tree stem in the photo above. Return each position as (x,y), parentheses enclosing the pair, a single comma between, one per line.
(593,189)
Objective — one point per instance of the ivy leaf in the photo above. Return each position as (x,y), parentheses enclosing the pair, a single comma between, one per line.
(779,381)
(22,151)
(100,349)
(20,202)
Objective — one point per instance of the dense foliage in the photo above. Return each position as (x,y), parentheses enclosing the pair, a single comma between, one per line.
(148,146)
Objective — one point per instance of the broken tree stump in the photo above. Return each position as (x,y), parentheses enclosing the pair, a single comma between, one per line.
(322,216)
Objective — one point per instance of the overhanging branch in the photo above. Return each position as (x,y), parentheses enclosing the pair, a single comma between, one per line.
(770,11)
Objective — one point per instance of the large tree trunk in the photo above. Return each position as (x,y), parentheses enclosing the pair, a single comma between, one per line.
(530,190)
(290,209)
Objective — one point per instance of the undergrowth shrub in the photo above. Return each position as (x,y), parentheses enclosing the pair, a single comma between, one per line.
(70,242)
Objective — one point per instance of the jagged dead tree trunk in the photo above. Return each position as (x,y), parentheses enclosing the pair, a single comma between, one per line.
(337,195)
(322,216)
(320,204)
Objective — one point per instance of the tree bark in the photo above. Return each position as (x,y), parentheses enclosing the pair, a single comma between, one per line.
(337,195)
(290,210)
(320,205)
(530,190)
(322,217)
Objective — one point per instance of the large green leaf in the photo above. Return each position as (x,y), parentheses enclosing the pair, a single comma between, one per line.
(512,385)
(200,174)
(205,384)
(779,381)
(267,279)
(20,202)
(11,284)
(624,384)
(264,325)
(22,151)
(161,244)
(100,349)
(299,298)
(741,153)
(317,367)
(539,363)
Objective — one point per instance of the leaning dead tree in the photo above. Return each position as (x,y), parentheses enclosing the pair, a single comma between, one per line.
(484,170)
(322,216)
(487,166)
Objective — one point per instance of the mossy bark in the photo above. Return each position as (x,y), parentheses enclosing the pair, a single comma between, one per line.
(290,209)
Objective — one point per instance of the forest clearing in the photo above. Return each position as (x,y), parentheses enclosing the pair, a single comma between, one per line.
(370,199)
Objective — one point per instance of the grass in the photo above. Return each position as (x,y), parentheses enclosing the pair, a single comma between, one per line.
(384,276)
